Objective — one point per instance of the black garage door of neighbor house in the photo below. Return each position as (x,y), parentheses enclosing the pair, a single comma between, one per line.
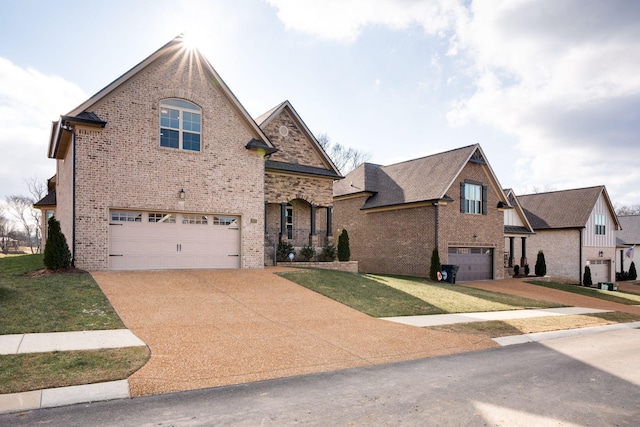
(475,263)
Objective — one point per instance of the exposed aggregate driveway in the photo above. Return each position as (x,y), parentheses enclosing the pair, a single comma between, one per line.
(209,328)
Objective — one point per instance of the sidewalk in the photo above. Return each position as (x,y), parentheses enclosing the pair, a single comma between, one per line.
(90,340)
(65,341)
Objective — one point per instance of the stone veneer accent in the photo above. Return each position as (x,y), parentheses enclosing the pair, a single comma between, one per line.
(123,166)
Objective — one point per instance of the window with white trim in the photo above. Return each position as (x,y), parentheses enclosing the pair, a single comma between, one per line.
(473,197)
(180,124)
(600,224)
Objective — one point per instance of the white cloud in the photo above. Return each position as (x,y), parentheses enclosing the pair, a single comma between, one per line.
(29,102)
(560,78)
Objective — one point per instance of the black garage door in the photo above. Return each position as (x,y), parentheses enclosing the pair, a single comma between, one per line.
(475,263)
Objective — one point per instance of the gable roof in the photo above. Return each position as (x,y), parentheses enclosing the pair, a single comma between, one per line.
(512,199)
(175,48)
(630,232)
(418,180)
(266,118)
(563,209)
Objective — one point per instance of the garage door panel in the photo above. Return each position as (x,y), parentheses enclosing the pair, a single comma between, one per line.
(139,245)
(474,263)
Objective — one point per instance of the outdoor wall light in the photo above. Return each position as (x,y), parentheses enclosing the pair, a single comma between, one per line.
(600,254)
(181,193)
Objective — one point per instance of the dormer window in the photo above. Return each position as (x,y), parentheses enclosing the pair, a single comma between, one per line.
(180,124)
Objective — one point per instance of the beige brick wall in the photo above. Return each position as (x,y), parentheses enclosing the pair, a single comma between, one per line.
(123,166)
(401,241)
(561,253)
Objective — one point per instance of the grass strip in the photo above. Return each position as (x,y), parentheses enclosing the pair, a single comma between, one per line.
(57,302)
(35,371)
(613,296)
(459,298)
(503,328)
(361,293)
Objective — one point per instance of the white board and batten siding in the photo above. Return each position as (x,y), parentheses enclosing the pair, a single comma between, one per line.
(607,240)
(141,240)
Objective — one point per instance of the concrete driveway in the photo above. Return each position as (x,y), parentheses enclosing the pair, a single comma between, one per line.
(210,328)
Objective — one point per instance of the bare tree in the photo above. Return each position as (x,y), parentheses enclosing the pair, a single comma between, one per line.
(21,208)
(625,210)
(346,159)
(38,188)
(5,229)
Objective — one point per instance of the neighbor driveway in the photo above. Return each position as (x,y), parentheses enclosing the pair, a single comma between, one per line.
(210,328)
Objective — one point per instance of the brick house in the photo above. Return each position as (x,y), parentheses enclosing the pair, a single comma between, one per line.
(164,168)
(627,238)
(395,215)
(573,228)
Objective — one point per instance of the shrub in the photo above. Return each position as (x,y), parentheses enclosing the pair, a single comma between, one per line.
(283,251)
(435,265)
(633,275)
(516,270)
(541,265)
(328,254)
(586,278)
(307,253)
(344,253)
(622,276)
(56,252)
(526,269)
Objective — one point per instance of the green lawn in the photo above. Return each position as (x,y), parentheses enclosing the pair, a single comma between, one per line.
(32,301)
(50,303)
(618,296)
(388,296)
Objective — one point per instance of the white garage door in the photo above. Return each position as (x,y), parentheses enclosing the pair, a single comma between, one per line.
(600,270)
(475,263)
(161,240)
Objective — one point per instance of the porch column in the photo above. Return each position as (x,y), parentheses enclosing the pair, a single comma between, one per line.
(283,220)
(523,260)
(329,219)
(511,250)
(313,220)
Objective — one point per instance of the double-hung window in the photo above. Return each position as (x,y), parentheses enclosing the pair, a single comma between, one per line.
(600,224)
(473,198)
(180,124)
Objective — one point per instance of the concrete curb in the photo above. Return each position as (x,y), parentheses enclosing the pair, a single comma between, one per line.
(51,397)
(545,336)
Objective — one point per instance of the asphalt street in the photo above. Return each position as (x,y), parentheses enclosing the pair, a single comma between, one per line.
(590,380)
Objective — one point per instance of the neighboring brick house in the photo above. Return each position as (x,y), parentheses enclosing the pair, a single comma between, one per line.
(298,184)
(164,168)
(627,238)
(573,228)
(395,215)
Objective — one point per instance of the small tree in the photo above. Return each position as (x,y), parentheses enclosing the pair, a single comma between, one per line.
(526,269)
(56,252)
(541,265)
(633,275)
(586,278)
(435,265)
(283,251)
(344,253)
(516,270)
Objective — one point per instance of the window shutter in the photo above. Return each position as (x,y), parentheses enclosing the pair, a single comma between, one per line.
(462,200)
(484,200)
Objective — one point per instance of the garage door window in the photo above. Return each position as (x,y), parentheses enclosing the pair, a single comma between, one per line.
(223,220)
(163,218)
(125,216)
(195,219)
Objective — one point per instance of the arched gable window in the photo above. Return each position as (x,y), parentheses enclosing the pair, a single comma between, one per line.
(180,124)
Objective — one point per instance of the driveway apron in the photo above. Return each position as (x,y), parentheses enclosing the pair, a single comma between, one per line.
(209,328)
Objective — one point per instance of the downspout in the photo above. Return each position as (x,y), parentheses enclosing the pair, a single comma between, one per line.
(437,221)
(73,199)
(580,260)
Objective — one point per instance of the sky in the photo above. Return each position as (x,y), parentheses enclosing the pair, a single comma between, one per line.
(549,89)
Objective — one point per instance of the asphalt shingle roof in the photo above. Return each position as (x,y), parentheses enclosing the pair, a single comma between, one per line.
(630,233)
(560,209)
(423,179)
